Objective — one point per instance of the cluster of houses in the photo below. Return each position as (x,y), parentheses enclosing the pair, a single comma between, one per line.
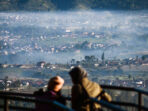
(141,63)
(138,83)
(93,61)
(8,42)
(22,84)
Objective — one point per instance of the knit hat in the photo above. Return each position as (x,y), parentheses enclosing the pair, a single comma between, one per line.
(55,83)
(77,73)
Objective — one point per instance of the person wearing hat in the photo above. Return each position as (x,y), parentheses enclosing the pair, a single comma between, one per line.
(83,88)
(53,92)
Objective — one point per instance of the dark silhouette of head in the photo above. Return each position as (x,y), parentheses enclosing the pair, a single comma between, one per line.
(77,73)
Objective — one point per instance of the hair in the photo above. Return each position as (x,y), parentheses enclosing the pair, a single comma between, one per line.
(77,73)
(55,83)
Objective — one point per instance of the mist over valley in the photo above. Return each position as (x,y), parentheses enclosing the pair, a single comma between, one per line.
(58,37)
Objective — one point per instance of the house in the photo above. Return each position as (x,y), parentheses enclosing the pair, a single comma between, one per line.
(41,64)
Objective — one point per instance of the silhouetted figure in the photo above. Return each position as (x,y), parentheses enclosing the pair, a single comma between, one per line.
(83,88)
(53,93)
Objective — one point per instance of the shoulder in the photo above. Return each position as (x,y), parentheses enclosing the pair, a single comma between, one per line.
(90,84)
(92,88)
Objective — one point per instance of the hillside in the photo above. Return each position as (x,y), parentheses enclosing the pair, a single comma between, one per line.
(48,5)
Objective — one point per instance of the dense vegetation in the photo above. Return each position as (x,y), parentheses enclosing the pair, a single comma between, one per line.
(48,5)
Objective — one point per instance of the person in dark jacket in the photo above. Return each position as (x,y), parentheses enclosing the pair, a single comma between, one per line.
(83,88)
(52,93)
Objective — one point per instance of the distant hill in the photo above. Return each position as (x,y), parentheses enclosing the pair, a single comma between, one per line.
(48,5)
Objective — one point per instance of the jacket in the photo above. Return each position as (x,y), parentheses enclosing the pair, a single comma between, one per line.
(83,90)
(48,95)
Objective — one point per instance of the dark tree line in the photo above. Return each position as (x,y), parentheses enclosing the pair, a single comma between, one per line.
(47,5)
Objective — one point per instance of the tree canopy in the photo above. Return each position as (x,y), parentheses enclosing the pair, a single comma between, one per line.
(48,5)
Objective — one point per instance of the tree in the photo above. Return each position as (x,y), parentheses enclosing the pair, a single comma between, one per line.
(87,58)
(73,61)
(143,58)
(103,56)
(129,76)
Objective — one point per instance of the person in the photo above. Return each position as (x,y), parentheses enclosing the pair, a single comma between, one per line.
(83,88)
(53,92)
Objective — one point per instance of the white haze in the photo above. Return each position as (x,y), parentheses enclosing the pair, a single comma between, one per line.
(20,32)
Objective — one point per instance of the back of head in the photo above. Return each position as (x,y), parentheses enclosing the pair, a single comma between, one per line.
(55,83)
(77,73)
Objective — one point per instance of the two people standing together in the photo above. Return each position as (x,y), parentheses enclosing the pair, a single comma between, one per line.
(82,89)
